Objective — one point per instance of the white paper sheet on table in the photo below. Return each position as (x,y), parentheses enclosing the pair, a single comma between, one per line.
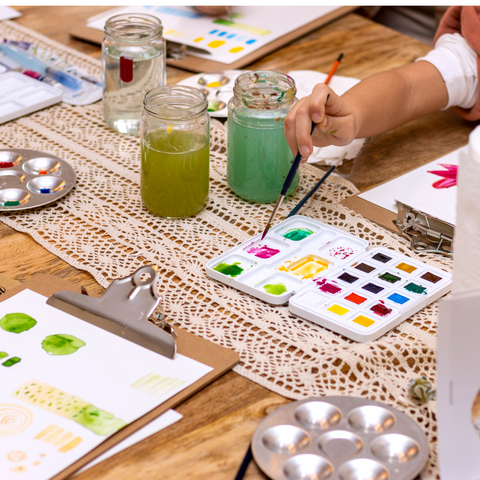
(163,421)
(110,374)
(7,12)
(415,189)
(305,80)
(223,40)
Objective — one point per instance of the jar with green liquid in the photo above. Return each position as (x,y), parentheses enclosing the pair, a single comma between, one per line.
(258,156)
(175,151)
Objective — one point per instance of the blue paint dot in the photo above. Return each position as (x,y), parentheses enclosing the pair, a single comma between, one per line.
(397,298)
(241,38)
(212,32)
(44,190)
(232,35)
(251,41)
(221,34)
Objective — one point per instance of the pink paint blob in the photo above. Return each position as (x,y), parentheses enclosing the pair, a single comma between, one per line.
(327,287)
(449,176)
(341,252)
(262,251)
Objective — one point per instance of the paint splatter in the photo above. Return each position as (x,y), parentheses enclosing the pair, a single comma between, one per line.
(449,176)
(326,287)
(11,361)
(13,419)
(62,344)
(275,288)
(156,385)
(381,309)
(232,270)
(341,252)
(414,288)
(69,406)
(262,251)
(297,234)
(17,322)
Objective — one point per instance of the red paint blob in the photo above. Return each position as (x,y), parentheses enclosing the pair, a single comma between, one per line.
(354,298)
(327,287)
(42,172)
(381,309)
(6,164)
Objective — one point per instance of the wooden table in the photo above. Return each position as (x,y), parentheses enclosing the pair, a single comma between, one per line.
(209,443)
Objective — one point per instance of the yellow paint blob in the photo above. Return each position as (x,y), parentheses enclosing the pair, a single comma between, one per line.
(236,49)
(337,309)
(199,39)
(214,84)
(216,43)
(71,445)
(46,431)
(170,128)
(364,321)
(169,32)
(309,266)
(406,267)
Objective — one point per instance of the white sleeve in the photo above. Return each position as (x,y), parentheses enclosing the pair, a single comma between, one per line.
(456,61)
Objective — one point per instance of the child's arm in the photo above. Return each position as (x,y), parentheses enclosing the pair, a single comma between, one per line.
(377,104)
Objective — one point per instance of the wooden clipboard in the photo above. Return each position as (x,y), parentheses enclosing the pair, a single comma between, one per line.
(197,64)
(219,358)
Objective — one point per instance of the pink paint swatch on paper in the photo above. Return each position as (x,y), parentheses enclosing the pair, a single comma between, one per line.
(449,176)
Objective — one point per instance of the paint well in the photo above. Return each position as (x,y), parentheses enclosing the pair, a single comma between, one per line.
(275,288)
(363,321)
(309,266)
(381,309)
(356,299)
(406,267)
(380,257)
(363,267)
(338,310)
(414,288)
(397,298)
(372,288)
(431,277)
(390,278)
(297,234)
(346,277)
(262,251)
(232,270)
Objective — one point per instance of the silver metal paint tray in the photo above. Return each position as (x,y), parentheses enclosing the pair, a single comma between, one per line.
(31,179)
(339,438)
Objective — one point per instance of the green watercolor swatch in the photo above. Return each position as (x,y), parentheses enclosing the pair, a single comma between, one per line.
(275,288)
(11,361)
(297,234)
(388,277)
(17,322)
(62,344)
(414,288)
(3,355)
(232,270)
(98,421)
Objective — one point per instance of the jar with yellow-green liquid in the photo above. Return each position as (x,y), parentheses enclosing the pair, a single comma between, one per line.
(175,151)
(258,155)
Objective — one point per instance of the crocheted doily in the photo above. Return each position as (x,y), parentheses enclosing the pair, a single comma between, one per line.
(103,228)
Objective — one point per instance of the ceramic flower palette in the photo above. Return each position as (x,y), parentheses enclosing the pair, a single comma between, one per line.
(328,277)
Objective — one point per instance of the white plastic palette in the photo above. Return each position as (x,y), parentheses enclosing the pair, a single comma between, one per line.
(358,293)
(21,95)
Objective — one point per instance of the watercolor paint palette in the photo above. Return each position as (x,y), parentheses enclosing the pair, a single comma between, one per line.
(21,95)
(339,438)
(30,179)
(328,277)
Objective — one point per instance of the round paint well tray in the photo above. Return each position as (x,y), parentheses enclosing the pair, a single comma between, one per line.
(31,179)
(339,438)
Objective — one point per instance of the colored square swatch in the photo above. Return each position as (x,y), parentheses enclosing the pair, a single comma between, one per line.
(381,309)
(346,277)
(406,267)
(390,278)
(397,298)
(414,288)
(356,299)
(430,277)
(338,310)
(363,321)
(363,267)
(371,287)
(380,257)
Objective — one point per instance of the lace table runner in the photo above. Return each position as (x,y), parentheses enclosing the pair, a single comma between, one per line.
(103,228)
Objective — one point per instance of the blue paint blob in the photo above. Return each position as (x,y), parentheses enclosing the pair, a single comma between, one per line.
(397,298)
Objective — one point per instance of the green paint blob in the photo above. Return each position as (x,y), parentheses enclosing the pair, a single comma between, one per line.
(275,288)
(414,288)
(388,277)
(232,270)
(17,322)
(11,361)
(62,344)
(297,234)
(3,355)
(98,421)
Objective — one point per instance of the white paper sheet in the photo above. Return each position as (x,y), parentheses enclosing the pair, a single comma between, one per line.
(108,375)
(163,421)
(221,39)
(416,189)
(8,12)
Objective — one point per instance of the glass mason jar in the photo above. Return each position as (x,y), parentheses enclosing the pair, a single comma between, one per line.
(175,151)
(258,156)
(133,62)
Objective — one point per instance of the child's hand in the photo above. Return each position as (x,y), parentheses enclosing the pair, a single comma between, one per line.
(336,124)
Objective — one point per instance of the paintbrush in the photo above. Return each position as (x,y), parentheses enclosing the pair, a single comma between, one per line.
(334,68)
(288,182)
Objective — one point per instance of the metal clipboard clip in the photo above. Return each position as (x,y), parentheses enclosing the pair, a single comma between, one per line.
(124,309)
(427,234)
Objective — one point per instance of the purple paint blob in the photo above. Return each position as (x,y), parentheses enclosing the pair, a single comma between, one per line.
(262,251)
(327,287)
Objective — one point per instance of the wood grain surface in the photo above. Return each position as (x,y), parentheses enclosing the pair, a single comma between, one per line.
(210,441)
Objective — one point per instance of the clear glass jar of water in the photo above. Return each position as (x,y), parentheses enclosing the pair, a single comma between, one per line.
(133,62)
(258,155)
(175,151)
